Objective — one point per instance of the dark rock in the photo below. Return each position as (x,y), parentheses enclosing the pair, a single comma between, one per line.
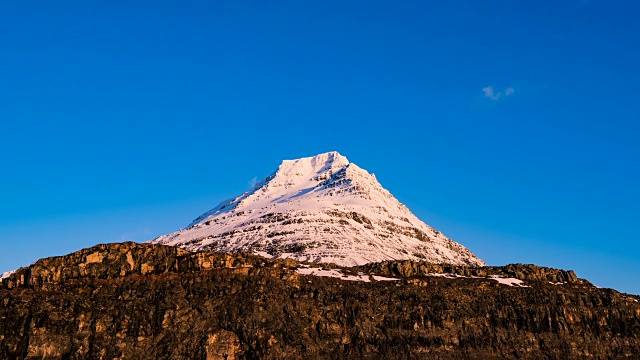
(131,301)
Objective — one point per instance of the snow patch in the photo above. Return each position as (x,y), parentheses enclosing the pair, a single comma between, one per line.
(499,278)
(382,278)
(451,276)
(6,274)
(332,273)
(557,283)
(507,280)
(264,254)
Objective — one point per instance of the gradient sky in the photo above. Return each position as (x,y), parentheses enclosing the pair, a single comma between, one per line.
(511,126)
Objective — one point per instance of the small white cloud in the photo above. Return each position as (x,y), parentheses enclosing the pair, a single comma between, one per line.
(252,182)
(490,93)
(493,94)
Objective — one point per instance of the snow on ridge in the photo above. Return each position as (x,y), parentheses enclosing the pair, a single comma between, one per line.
(383,278)
(501,279)
(320,209)
(331,273)
(289,173)
(336,273)
(6,274)
(507,280)
(263,254)
(451,276)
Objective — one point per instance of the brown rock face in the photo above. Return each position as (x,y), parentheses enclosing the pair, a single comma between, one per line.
(223,345)
(130,301)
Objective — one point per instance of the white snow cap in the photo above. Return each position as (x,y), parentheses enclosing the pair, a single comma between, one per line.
(321,163)
(322,209)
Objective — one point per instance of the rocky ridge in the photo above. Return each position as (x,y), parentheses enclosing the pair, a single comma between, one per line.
(136,301)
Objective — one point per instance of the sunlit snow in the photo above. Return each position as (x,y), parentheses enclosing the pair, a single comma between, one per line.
(320,209)
(507,280)
(331,273)
(6,274)
(334,273)
(382,278)
(499,278)
(557,283)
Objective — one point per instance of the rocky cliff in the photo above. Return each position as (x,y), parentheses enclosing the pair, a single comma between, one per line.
(131,301)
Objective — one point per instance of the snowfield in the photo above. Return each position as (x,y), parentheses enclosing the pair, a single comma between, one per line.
(320,209)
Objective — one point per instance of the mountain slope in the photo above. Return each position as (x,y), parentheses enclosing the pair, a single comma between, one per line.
(320,209)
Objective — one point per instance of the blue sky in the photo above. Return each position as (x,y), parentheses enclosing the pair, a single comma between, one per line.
(512,126)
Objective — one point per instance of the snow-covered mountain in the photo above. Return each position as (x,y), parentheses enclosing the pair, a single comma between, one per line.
(320,209)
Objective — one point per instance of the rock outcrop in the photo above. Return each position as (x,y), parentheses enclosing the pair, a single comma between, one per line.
(143,301)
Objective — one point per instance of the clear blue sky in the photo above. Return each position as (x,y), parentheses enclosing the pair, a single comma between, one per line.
(512,126)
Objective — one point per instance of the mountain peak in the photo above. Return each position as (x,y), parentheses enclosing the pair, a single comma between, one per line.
(314,165)
(322,209)
(331,158)
(295,172)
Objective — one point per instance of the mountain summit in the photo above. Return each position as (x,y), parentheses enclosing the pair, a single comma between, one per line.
(320,209)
